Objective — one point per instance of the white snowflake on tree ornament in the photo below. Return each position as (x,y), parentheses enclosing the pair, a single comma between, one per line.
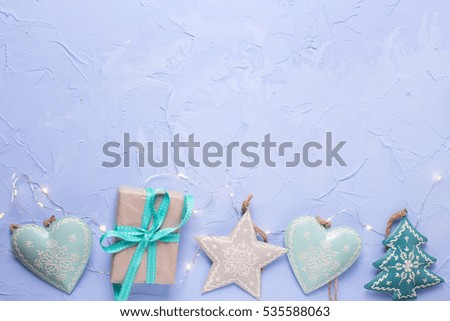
(408,267)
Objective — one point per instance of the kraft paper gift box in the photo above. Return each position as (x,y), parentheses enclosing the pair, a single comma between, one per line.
(131,202)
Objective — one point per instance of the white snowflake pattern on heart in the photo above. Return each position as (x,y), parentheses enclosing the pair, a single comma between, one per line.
(318,260)
(56,260)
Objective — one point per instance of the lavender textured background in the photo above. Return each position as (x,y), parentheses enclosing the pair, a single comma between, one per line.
(76,74)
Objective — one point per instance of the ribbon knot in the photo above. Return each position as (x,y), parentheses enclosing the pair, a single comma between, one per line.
(148,236)
(145,238)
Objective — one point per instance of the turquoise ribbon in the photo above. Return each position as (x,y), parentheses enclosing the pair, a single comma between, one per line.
(145,238)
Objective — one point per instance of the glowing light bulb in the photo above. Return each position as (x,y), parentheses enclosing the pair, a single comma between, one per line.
(40,204)
(15,192)
(103,228)
(368,227)
(267,232)
(44,190)
(437,177)
(2,214)
(231,194)
(183,176)
(188,266)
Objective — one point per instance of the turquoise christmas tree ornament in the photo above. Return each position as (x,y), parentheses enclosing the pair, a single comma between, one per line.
(404,267)
(318,255)
(58,254)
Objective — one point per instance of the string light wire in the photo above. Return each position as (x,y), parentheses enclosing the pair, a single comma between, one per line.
(190,264)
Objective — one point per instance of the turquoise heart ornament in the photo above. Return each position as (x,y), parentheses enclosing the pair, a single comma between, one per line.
(318,255)
(57,254)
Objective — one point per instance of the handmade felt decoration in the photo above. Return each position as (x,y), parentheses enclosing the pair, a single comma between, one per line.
(238,258)
(404,267)
(58,253)
(319,254)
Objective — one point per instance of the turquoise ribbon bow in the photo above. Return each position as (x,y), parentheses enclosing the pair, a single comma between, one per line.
(145,238)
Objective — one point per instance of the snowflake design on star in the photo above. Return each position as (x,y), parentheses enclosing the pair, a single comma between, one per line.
(239,259)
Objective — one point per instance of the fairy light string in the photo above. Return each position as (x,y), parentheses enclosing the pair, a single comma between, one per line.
(354,214)
(36,187)
(190,264)
(184,178)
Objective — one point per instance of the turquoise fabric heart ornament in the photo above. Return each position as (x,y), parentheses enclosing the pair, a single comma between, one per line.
(318,255)
(57,254)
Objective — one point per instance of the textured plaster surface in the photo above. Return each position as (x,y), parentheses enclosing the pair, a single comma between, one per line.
(77,74)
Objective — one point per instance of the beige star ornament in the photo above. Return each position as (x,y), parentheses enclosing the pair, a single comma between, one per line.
(238,258)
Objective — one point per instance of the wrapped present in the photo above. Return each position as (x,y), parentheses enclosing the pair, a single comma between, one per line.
(147,234)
